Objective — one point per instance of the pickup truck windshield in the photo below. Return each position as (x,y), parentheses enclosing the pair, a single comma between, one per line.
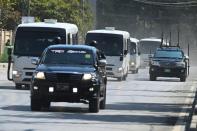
(68,57)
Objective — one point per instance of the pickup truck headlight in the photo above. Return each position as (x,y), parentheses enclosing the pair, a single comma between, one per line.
(87,76)
(180,64)
(155,63)
(40,75)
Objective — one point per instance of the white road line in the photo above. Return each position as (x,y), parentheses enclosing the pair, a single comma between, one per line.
(184,113)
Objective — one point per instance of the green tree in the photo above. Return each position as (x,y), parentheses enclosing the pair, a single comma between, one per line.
(72,11)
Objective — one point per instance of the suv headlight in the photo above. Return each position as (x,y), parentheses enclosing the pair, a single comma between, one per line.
(39,75)
(180,64)
(87,77)
(155,63)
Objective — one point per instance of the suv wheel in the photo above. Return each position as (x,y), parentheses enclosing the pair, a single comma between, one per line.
(183,78)
(35,105)
(124,78)
(103,102)
(153,77)
(46,104)
(94,105)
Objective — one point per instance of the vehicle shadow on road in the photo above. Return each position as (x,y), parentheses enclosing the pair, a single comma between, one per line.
(51,109)
(7,88)
(159,79)
(68,113)
(12,88)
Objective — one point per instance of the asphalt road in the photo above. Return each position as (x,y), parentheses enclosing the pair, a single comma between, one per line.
(136,104)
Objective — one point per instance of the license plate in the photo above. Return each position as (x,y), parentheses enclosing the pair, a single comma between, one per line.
(167,70)
(62,87)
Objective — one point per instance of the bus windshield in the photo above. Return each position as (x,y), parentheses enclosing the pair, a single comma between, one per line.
(133,48)
(68,57)
(32,41)
(110,44)
(148,47)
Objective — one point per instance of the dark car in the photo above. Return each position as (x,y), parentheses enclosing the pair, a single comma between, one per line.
(69,73)
(168,62)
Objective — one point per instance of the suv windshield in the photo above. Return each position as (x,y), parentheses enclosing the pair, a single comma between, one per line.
(168,54)
(68,56)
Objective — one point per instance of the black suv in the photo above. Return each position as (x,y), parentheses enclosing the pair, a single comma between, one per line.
(169,61)
(69,73)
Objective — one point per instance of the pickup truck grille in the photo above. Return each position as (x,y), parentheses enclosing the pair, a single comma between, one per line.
(63,77)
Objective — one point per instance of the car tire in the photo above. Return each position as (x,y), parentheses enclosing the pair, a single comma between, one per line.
(153,77)
(124,78)
(119,78)
(136,71)
(35,105)
(46,104)
(94,105)
(103,102)
(183,78)
(18,86)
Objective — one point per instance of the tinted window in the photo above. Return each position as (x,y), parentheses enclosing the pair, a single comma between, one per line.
(110,44)
(32,41)
(68,56)
(168,54)
(132,48)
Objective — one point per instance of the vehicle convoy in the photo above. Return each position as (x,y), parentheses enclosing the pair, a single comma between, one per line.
(134,63)
(147,47)
(30,41)
(114,43)
(169,61)
(69,73)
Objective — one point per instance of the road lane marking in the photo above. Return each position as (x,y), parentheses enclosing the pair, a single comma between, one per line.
(184,112)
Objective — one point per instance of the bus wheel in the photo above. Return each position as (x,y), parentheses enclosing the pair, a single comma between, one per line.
(18,86)
(119,78)
(153,77)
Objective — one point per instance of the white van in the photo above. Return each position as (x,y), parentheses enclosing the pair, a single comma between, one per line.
(114,44)
(134,63)
(30,41)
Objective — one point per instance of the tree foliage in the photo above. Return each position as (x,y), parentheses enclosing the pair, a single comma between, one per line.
(72,11)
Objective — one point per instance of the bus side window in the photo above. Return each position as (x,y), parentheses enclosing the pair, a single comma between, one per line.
(69,42)
(75,39)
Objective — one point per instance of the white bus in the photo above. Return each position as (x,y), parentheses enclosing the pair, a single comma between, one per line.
(30,41)
(147,47)
(134,63)
(114,44)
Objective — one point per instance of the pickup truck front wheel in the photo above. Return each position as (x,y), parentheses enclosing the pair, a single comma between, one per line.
(94,105)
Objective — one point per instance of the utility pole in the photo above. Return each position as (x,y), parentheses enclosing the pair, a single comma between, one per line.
(28,7)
